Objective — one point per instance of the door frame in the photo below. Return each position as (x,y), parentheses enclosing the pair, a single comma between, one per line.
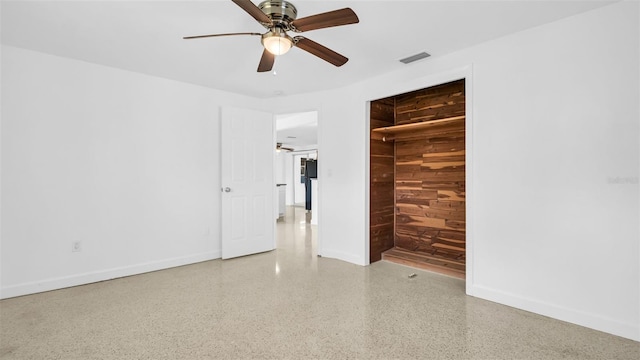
(465,72)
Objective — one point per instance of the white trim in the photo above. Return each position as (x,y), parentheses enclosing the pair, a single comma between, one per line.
(343,256)
(469,189)
(1,47)
(367,181)
(102,275)
(319,172)
(590,320)
(276,190)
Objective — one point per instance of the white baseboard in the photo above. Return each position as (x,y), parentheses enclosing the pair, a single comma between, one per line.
(343,256)
(102,275)
(593,321)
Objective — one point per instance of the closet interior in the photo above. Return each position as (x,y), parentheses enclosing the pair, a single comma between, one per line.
(417,179)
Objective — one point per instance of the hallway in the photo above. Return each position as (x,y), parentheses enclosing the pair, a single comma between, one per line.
(295,232)
(287,303)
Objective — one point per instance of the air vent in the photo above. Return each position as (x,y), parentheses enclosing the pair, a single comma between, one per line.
(415,57)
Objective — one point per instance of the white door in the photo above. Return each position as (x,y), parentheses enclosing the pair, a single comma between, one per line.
(248,185)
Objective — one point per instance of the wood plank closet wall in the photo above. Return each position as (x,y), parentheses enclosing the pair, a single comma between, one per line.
(421,145)
(381,216)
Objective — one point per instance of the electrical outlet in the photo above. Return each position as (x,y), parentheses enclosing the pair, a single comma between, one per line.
(76,246)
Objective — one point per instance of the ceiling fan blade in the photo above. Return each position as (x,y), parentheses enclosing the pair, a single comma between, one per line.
(281,148)
(253,10)
(215,35)
(320,51)
(324,20)
(266,62)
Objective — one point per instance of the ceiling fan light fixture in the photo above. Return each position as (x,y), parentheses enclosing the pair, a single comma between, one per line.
(277,42)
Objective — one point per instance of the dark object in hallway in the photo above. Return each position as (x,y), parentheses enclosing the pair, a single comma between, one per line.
(310,172)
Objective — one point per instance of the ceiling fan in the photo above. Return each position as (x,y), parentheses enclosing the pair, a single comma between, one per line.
(279,147)
(278,17)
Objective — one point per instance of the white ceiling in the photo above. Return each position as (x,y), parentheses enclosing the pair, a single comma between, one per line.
(298,131)
(146,37)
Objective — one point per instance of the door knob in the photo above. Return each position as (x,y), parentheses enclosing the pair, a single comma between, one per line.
(227,189)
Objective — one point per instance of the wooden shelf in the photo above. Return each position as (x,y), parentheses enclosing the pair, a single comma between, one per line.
(390,133)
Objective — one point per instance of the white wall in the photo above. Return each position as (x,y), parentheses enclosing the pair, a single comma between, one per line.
(126,163)
(280,167)
(298,187)
(1,156)
(288,178)
(284,174)
(553,166)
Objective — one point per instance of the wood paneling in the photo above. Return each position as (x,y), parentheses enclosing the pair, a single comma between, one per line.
(442,101)
(430,177)
(381,216)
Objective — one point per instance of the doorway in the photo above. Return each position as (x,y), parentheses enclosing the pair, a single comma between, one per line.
(296,157)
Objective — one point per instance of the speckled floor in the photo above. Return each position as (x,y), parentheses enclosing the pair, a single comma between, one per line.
(287,304)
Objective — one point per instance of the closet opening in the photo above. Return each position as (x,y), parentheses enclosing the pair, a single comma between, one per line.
(417,179)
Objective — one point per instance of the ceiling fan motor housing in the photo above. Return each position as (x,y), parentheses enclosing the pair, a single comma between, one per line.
(281,12)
